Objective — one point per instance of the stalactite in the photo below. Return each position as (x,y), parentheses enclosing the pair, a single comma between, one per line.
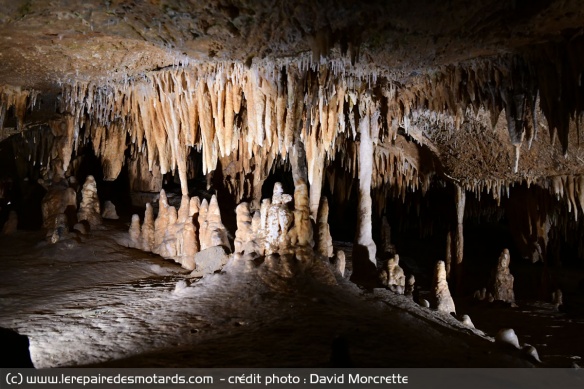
(460,200)
(364,229)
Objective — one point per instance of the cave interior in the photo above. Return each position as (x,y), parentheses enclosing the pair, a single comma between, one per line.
(371,164)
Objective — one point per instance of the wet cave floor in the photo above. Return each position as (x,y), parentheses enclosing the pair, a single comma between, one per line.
(88,301)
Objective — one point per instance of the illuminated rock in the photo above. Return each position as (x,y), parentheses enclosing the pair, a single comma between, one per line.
(440,294)
(325,241)
(109,211)
(502,282)
(392,275)
(89,209)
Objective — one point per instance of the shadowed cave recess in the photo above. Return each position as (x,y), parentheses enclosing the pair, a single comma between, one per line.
(190,183)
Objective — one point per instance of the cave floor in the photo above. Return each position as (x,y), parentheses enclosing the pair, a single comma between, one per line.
(92,302)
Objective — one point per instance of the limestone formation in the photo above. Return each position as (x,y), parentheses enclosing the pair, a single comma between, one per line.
(81,228)
(392,275)
(324,240)
(212,231)
(530,352)
(11,225)
(364,249)
(410,288)
(210,260)
(59,199)
(147,230)
(244,233)
(502,280)
(190,245)
(175,234)
(60,231)
(135,236)
(302,234)
(109,211)
(89,209)
(278,220)
(340,262)
(480,294)
(507,337)
(184,209)
(465,319)
(440,294)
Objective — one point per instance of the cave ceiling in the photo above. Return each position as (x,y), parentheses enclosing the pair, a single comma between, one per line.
(484,94)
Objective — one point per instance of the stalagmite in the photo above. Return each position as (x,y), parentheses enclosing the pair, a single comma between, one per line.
(244,233)
(302,234)
(194,205)
(135,236)
(325,241)
(440,294)
(212,231)
(168,247)
(392,275)
(190,245)
(502,280)
(184,209)
(109,211)
(465,319)
(530,353)
(340,262)
(161,222)
(507,337)
(278,222)
(60,231)
(89,208)
(410,289)
(147,231)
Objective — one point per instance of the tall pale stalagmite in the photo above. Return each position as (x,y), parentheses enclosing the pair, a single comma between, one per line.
(244,233)
(303,235)
(212,231)
(135,238)
(190,245)
(161,222)
(325,241)
(147,231)
(440,294)
(89,209)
